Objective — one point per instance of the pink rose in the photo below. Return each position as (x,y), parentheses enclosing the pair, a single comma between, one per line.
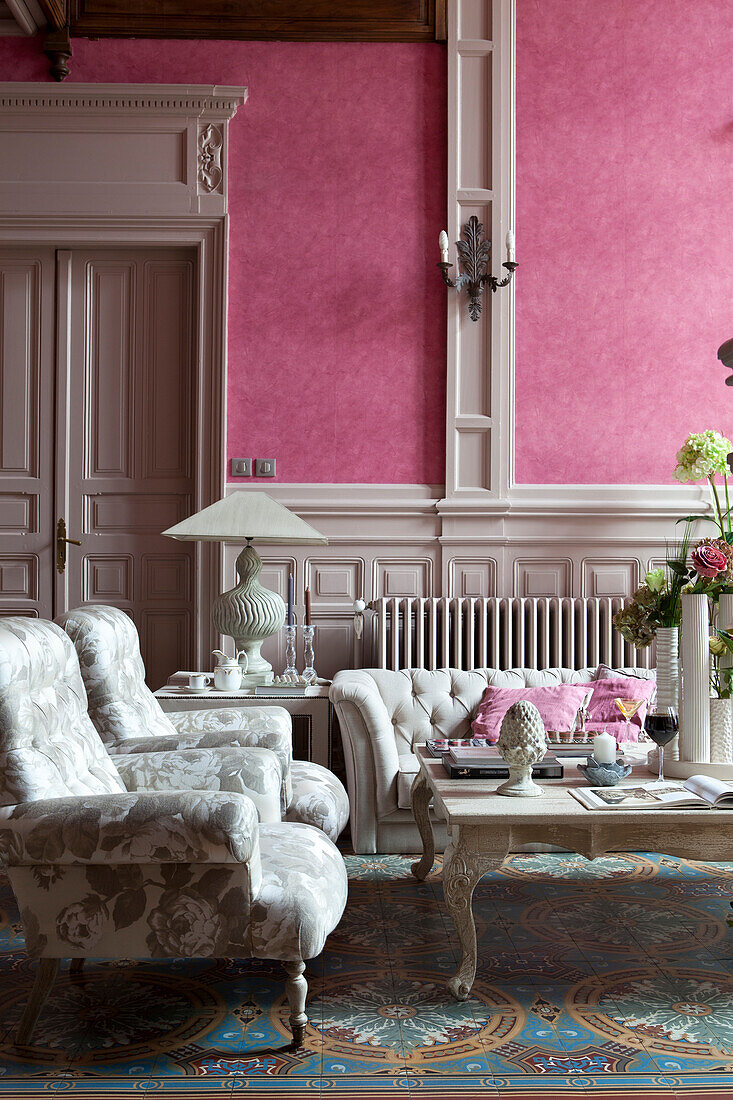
(708,561)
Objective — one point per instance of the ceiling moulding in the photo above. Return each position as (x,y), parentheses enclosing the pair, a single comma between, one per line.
(325,20)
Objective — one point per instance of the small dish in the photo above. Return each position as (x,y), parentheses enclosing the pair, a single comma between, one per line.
(604,775)
(195,691)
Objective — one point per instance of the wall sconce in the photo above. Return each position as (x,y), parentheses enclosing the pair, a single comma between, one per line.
(474,254)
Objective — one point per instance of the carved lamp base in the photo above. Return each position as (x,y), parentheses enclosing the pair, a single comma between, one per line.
(250,614)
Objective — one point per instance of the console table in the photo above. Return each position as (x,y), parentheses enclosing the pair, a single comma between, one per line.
(312,714)
(485,827)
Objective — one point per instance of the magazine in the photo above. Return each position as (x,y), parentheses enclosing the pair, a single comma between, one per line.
(699,792)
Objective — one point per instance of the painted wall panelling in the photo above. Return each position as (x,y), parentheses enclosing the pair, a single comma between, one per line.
(349,20)
(26,431)
(480,183)
(183,202)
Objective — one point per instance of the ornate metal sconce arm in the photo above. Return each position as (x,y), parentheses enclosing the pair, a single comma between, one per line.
(474,255)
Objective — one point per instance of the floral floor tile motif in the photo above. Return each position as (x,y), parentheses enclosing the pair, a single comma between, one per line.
(605,979)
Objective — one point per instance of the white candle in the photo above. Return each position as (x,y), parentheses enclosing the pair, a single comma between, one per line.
(443,244)
(510,246)
(604,748)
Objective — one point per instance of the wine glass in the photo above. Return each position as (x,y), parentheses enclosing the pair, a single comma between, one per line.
(628,708)
(662,724)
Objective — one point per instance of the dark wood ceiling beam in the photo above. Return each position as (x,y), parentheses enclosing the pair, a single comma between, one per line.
(293,20)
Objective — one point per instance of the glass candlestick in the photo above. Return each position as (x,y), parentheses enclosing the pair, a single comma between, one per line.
(309,672)
(291,672)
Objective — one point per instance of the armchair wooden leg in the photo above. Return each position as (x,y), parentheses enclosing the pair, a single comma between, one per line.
(76,969)
(45,977)
(296,989)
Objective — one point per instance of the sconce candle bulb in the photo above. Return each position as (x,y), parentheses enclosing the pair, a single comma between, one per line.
(443,245)
(474,254)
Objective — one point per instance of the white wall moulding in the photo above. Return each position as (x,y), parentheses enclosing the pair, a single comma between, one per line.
(479,402)
(409,541)
(127,148)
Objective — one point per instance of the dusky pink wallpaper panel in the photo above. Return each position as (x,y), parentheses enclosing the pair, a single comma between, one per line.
(624,234)
(337,194)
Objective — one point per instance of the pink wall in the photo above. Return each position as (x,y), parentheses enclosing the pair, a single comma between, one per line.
(337,195)
(624,233)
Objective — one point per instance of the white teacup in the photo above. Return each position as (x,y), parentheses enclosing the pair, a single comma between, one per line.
(197,681)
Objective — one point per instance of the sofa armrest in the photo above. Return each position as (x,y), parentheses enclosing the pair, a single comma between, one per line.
(149,827)
(255,772)
(365,721)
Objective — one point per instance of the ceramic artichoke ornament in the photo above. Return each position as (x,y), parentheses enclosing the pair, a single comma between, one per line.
(522,742)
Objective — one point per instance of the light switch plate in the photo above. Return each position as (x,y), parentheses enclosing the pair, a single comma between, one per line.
(241,467)
(264,467)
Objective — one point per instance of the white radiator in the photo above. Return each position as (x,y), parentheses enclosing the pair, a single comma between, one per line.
(500,632)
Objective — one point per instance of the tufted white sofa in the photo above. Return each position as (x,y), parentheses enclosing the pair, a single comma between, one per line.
(383,715)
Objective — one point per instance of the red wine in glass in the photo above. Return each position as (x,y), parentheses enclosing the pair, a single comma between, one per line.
(662,725)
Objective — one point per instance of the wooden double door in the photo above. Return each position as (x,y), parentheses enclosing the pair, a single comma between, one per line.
(97,438)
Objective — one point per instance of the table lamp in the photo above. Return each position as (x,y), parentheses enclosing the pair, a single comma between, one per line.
(248,613)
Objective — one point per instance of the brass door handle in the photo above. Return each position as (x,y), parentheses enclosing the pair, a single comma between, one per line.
(61,541)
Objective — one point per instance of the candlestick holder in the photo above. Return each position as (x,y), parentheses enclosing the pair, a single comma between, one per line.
(474,253)
(291,672)
(309,672)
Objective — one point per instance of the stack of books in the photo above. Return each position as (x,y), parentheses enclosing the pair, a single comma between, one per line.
(485,762)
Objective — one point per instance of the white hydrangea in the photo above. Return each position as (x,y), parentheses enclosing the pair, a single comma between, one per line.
(702,454)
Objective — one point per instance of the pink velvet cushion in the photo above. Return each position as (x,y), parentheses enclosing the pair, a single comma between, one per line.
(557,705)
(603,712)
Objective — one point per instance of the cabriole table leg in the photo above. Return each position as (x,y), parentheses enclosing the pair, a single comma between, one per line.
(420,795)
(463,866)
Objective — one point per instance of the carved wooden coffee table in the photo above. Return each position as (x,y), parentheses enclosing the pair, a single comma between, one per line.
(485,827)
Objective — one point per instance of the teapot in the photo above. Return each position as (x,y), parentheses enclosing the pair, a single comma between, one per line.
(229,670)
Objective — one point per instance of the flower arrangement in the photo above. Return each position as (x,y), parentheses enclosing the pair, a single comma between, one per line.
(705,455)
(657,602)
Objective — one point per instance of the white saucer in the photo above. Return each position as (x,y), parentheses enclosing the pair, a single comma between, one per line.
(195,691)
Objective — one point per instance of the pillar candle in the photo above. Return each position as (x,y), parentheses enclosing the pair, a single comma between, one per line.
(510,246)
(443,245)
(604,748)
(307,607)
(290,599)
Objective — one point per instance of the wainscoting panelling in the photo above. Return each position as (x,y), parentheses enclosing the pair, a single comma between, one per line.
(399,541)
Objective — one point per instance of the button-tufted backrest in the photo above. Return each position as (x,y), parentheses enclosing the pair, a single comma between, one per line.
(442,703)
(121,704)
(48,745)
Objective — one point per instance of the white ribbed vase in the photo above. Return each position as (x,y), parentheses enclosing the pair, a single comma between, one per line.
(721,731)
(250,614)
(668,678)
(695,733)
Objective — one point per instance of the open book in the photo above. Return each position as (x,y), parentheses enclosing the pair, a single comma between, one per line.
(699,792)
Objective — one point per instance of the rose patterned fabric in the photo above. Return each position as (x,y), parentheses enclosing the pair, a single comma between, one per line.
(319,799)
(128,716)
(256,773)
(182,910)
(48,745)
(164,910)
(302,894)
(134,827)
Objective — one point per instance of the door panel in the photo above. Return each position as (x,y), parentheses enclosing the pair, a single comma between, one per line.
(128,469)
(26,431)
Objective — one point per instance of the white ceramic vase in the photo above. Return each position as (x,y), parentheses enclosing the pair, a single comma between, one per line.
(695,732)
(721,731)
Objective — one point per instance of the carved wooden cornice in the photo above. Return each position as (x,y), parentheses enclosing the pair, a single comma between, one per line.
(208,101)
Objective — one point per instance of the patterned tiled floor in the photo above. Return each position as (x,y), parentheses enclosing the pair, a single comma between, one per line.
(597,979)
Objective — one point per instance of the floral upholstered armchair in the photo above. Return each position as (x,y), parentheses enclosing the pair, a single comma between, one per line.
(104,866)
(130,719)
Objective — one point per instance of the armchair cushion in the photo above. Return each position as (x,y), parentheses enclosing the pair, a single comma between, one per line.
(48,746)
(255,773)
(149,827)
